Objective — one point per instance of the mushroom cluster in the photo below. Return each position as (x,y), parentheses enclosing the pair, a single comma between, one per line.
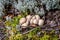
(31,20)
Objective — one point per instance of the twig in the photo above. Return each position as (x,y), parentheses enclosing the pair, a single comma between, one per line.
(30,30)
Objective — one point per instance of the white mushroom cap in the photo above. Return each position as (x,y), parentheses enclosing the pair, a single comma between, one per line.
(33,17)
(28,17)
(25,25)
(35,21)
(22,20)
(37,17)
(41,22)
(31,21)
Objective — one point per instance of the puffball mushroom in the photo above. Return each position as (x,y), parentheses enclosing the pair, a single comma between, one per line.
(40,22)
(33,17)
(28,17)
(22,20)
(24,25)
(31,21)
(37,17)
(35,21)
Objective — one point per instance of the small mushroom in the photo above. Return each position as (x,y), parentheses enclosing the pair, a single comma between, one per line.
(33,17)
(40,22)
(31,21)
(35,21)
(37,17)
(24,25)
(22,20)
(28,17)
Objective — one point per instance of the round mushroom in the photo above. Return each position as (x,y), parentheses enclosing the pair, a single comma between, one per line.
(40,22)
(31,21)
(37,17)
(22,20)
(35,21)
(24,25)
(33,17)
(28,17)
